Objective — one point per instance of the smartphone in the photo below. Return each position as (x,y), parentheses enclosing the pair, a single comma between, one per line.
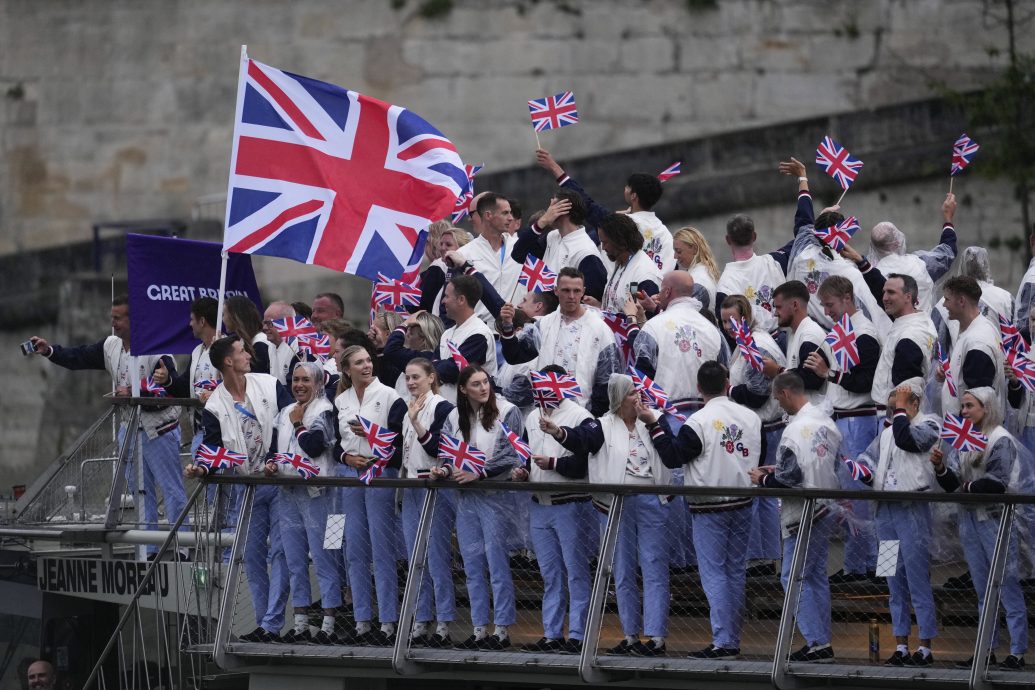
(634,287)
(28,348)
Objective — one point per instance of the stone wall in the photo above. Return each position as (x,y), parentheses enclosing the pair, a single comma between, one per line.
(118,109)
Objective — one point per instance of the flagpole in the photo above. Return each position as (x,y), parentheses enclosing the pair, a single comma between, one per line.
(840,198)
(537,144)
(951,178)
(224,255)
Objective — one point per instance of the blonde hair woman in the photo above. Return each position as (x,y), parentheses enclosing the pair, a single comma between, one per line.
(694,254)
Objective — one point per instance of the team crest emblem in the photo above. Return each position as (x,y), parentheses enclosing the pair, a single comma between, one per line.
(731,440)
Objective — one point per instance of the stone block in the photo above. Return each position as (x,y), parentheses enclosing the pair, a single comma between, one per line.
(701,53)
(648,55)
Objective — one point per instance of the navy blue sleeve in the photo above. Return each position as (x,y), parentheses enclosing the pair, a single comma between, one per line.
(586,438)
(812,380)
(675,451)
(782,256)
(396,414)
(947,479)
(429,441)
(284,397)
(530,240)
(432,280)
(490,298)
(1015,394)
(261,360)
(741,394)
(649,287)
(212,433)
(314,441)
(518,350)
(908,361)
(720,297)
(80,357)
(596,213)
(474,350)
(874,280)
(398,355)
(803,214)
(573,466)
(596,276)
(977,370)
(859,379)
(179,385)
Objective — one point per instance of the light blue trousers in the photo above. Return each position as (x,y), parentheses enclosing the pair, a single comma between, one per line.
(910,524)
(764,540)
(721,540)
(813,616)
(264,564)
(559,537)
(481,530)
(303,521)
(370,537)
(437,581)
(860,536)
(643,544)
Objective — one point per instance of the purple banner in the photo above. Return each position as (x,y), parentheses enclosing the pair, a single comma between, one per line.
(165,276)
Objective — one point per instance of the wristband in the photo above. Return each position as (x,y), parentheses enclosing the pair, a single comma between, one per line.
(297,425)
(803,179)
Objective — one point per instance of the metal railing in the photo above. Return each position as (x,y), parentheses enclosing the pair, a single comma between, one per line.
(859,615)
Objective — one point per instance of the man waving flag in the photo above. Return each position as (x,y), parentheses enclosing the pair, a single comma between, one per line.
(324,175)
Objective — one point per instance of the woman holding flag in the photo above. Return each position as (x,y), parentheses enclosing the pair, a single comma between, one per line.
(990,461)
(369,415)
(303,441)
(621,451)
(422,427)
(475,440)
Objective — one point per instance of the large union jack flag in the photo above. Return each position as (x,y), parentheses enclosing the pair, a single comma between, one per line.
(550,388)
(463,202)
(293,327)
(536,275)
(622,330)
(962,434)
(552,112)
(962,151)
(670,172)
(746,343)
(305,467)
(837,162)
(379,438)
(838,235)
(461,455)
(318,346)
(324,175)
(651,393)
(843,343)
(522,448)
(943,362)
(218,458)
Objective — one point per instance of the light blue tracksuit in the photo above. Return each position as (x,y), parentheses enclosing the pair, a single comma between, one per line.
(303,521)
(643,542)
(813,616)
(370,536)
(562,547)
(910,524)
(721,540)
(481,531)
(264,547)
(437,581)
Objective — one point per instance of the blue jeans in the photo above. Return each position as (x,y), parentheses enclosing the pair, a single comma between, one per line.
(162,470)
(303,521)
(721,540)
(859,537)
(370,537)
(813,615)
(264,547)
(481,530)
(978,537)
(561,547)
(910,524)
(764,541)
(643,542)
(437,580)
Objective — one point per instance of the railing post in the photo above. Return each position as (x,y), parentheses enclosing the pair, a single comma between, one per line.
(118,480)
(989,619)
(226,607)
(418,565)
(588,671)
(791,598)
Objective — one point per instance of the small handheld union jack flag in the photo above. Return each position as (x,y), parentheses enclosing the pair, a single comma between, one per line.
(148,385)
(843,343)
(207,384)
(463,202)
(651,393)
(962,434)
(858,470)
(317,346)
(305,467)
(549,388)
(461,455)
(373,471)
(837,162)
(395,293)
(537,276)
(1012,340)
(837,236)
(746,344)
(962,151)
(519,444)
(458,357)
(621,329)
(1024,369)
(379,438)
(218,458)
(670,172)
(552,112)
(293,327)
(943,362)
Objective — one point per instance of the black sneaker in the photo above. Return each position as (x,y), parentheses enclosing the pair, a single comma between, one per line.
(843,578)
(260,634)
(897,659)
(419,640)
(622,648)
(329,638)
(437,641)
(493,643)
(1012,663)
(648,648)
(376,638)
(713,652)
(917,658)
(544,645)
(963,581)
(821,654)
(572,646)
(294,637)
(470,643)
(970,662)
(800,655)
